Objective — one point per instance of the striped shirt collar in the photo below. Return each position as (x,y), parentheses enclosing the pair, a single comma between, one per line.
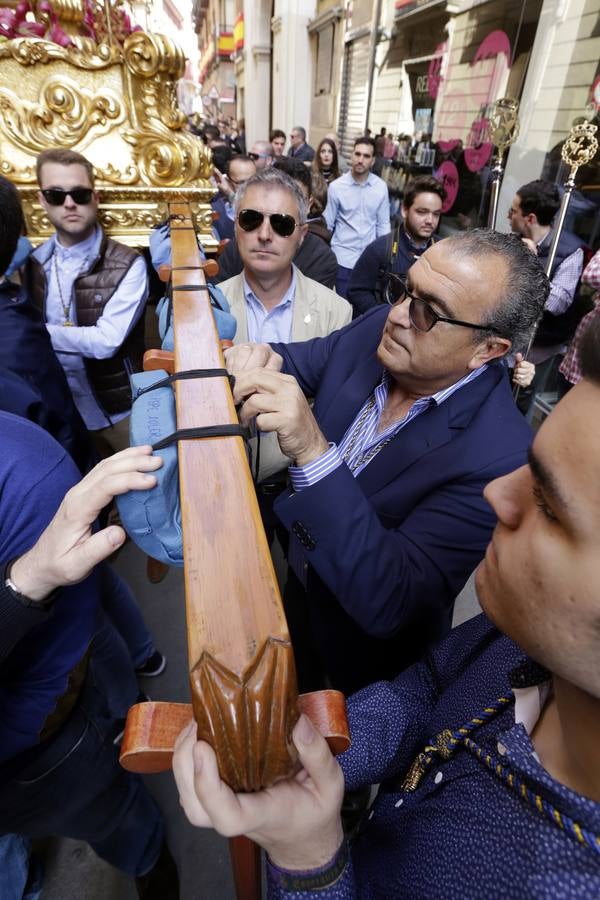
(369,437)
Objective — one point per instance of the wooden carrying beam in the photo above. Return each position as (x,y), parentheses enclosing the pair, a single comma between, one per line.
(241,660)
(242,673)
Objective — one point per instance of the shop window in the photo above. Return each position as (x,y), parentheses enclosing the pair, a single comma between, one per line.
(324,60)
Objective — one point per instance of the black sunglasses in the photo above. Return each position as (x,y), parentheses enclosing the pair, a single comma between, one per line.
(281,223)
(57,197)
(255,156)
(421,314)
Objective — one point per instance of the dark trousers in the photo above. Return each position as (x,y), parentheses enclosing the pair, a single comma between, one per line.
(73,786)
(341,281)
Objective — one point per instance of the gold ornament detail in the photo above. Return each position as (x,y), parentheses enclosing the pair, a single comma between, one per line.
(127,176)
(146,55)
(63,117)
(27,174)
(116,102)
(581,145)
(504,123)
(35,51)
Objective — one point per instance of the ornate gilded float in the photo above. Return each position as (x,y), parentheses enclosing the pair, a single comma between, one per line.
(77,75)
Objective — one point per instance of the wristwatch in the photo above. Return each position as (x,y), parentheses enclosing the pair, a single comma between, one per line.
(13,590)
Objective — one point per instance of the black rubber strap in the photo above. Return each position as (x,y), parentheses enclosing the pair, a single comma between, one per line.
(184,376)
(184,268)
(189,287)
(208,431)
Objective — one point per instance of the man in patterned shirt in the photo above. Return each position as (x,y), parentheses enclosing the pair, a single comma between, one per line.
(486,752)
(570,368)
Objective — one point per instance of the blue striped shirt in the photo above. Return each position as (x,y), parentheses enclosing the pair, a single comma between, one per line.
(305,476)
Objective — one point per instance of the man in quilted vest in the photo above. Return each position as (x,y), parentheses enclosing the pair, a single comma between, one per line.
(92,292)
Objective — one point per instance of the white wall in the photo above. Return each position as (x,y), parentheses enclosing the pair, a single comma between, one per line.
(292,65)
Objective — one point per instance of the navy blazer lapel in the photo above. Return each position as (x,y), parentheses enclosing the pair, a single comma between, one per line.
(429,431)
(345,404)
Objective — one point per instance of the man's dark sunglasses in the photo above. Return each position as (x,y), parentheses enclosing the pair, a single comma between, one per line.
(281,223)
(255,156)
(57,197)
(421,314)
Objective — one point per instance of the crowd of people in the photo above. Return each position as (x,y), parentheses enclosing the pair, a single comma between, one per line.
(375,360)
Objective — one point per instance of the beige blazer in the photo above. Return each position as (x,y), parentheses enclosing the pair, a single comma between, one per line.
(317,312)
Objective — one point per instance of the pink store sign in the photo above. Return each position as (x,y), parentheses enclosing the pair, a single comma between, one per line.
(458,95)
(448,175)
(477,157)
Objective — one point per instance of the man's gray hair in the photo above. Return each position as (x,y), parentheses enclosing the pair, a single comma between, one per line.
(268,179)
(525,289)
(300,130)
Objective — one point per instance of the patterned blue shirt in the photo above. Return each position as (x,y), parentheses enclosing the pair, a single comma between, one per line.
(464,832)
(270,326)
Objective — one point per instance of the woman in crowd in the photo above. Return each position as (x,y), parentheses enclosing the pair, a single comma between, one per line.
(325,162)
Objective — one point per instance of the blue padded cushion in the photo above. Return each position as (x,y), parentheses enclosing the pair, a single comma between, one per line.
(225,322)
(153,518)
(160,252)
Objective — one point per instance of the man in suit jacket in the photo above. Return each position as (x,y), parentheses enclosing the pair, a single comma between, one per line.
(299,149)
(413,416)
(271,299)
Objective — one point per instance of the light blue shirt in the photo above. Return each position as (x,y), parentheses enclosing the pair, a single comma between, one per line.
(357,458)
(100,341)
(356,213)
(270,326)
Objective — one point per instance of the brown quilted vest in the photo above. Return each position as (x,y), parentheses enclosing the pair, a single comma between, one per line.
(92,290)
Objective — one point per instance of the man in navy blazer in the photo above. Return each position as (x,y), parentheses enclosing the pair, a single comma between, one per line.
(413,416)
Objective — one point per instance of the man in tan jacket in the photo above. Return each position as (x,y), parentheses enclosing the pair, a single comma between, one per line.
(271,299)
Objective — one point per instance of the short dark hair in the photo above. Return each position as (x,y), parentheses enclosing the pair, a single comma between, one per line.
(295,169)
(63,157)
(365,139)
(540,197)
(301,130)
(277,133)
(590,351)
(221,155)
(238,157)
(526,286)
(423,184)
(210,133)
(11,222)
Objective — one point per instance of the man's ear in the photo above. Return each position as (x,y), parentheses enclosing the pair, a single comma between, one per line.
(488,350)
(403,212)
(302,231)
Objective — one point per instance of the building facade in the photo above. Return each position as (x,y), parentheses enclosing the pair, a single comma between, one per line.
(432,69)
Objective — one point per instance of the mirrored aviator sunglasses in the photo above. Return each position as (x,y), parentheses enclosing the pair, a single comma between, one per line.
(281,223)
(57,197)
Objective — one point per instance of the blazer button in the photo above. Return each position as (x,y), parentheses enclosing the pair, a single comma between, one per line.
(303,536)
